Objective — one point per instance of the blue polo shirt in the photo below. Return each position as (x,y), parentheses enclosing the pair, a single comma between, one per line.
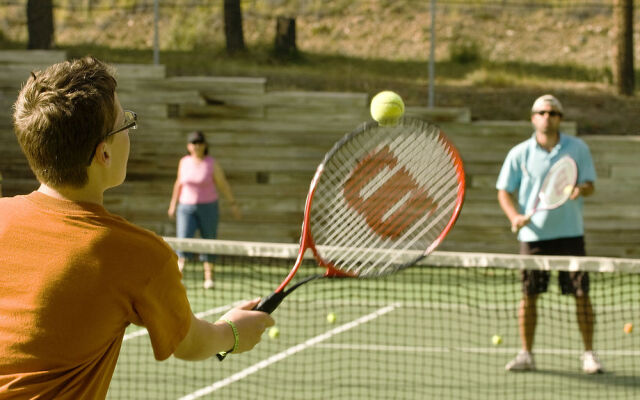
(524,170)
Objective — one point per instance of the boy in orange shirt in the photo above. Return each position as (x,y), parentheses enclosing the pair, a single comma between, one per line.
(75,276)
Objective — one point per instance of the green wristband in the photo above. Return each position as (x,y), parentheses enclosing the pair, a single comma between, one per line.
(235,336)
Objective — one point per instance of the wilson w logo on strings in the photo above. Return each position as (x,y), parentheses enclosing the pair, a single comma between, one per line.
(386,195)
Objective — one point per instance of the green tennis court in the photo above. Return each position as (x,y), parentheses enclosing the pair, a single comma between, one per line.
(423,333)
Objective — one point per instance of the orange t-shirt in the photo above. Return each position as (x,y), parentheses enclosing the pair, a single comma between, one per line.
(72,277)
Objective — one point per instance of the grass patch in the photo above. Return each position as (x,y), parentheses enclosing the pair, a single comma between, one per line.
(337,70)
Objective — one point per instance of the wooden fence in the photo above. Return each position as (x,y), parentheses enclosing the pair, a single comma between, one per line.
(269,143)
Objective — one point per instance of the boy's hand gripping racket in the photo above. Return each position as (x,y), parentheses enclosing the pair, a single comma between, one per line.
(556,187)
(383,198)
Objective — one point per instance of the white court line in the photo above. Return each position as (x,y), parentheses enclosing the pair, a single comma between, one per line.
(478,350)
(288,352)
(202,314)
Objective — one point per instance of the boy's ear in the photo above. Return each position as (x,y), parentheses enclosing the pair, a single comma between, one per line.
(103,154)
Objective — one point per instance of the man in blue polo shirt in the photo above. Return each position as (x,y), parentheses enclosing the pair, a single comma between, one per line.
(553,232)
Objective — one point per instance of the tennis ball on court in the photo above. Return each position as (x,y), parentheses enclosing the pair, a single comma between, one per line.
(331,318)
(628,327)
(387,108)
(274,332)
(496,339)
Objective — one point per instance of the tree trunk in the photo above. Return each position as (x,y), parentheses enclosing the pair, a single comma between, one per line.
(285,41)
(40,24)
(623,74)
(233,26)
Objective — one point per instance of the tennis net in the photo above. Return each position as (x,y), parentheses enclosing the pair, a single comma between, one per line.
(427,332)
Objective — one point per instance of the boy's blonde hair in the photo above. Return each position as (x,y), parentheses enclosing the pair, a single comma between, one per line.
(61,115)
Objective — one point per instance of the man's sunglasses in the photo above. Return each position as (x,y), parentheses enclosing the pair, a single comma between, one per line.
(130,122)
(551,113)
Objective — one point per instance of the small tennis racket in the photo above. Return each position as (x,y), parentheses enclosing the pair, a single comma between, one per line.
(380,190)
(556,187)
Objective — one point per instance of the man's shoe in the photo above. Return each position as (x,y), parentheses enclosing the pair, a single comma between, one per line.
(590,363)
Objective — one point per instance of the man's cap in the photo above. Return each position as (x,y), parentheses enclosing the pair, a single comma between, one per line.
(195,136)
(547,99)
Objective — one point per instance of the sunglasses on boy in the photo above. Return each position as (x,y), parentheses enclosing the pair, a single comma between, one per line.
(130,122)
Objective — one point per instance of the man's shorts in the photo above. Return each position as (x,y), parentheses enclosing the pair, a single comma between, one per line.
(536,282)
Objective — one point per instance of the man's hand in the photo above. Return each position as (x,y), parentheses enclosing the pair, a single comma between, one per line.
(518,221)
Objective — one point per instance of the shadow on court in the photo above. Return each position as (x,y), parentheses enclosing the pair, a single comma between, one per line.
(606,378)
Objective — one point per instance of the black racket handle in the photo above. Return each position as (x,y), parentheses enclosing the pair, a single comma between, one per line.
(269,303)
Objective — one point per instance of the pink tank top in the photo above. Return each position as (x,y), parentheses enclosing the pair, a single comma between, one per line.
(196,178)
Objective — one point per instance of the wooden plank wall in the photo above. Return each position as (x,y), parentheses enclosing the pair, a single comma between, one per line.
(269,143)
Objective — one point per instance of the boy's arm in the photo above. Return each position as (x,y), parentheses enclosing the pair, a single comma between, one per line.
(205,339)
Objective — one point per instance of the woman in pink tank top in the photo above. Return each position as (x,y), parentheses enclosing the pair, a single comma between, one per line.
(194,202)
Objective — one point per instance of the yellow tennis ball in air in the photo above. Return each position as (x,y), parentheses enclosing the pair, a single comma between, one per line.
(387,108)
(274,332)
(496,339)
(628,328)
(331,318)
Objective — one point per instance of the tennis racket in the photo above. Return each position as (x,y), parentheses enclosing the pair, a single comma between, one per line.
(556,187)
(383,198)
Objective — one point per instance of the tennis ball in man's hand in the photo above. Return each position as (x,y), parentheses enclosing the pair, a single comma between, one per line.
(628,327)
(387,108)
(496,339)
(331,318)
(568,189)
(274,332)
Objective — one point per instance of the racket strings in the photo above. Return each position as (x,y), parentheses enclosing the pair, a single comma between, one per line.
(371,187)
(379,262)
(336,203)
(351,235)
(558,183)
(404,239)
(377,265)
(376,268)
(340,173)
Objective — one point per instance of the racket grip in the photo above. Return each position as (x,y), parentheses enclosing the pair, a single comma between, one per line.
(269,303)
(527,216)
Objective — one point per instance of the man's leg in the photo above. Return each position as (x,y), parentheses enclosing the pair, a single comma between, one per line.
(527,320)
(586,320)
(584,313)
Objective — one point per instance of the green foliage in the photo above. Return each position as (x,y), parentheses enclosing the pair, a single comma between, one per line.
(343,44)
(193,31)
(495,78)
(465,51)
